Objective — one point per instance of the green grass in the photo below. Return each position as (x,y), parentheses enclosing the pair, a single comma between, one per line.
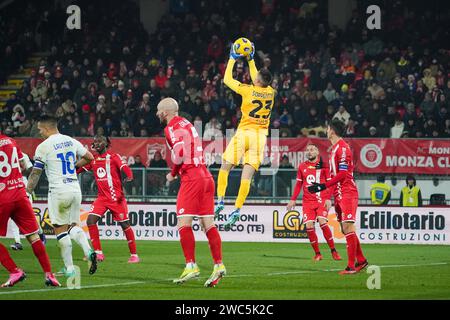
(255,271)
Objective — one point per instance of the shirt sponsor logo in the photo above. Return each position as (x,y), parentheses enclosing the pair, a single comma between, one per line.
(2,186)
(101,172)
(310,179)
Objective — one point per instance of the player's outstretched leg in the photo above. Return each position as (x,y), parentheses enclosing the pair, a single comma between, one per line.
(351,239)
(77,234)
(222,183)
(215,245)
(65,245)
(129,234)
(313,240)
(41,254)
(247,173)
(95,236)
(15,274)
(361,261)
(328,235)
(187,240)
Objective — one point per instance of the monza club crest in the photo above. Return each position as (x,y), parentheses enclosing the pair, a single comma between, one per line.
(371,155)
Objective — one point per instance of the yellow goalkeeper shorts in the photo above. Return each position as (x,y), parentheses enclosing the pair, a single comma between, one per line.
(246,146)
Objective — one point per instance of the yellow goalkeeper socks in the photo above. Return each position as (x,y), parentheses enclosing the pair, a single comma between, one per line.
(222,182)
(244,189)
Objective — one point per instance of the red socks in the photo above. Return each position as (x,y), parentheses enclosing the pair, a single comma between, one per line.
(95,237)
(6,261)
(187,240)
(359,254)
(41,254)
(313,239)
(129,234)
(327,235)
(187,243)
(215,244)
(352,244)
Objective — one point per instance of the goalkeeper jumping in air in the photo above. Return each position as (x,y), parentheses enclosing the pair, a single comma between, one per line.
(250,139)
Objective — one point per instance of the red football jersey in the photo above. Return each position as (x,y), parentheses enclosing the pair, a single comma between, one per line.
(341,161)
(186,149)
(12,187)
(308,174)
(106,169)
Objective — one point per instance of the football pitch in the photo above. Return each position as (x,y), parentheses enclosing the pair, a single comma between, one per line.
(255,271)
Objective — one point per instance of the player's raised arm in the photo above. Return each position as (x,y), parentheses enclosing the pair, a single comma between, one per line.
(252,65)
(228,79)
(123,166)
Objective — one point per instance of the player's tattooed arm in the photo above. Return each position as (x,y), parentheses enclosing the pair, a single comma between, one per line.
(33,180)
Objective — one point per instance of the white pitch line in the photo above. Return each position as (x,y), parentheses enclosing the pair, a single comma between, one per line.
(230,276)
(414,265)
(65,288)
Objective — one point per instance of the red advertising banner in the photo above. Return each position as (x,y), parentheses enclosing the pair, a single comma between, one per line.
(370,155)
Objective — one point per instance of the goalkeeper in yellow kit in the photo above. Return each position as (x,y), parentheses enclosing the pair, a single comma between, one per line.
(250,138)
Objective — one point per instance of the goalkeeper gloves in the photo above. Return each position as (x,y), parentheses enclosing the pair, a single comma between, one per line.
(252,54)
(233,54)
(316,187)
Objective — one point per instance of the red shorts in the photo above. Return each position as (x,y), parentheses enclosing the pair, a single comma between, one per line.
(119,209)
(196,198)
(21,212)
(346,209)
(314,210)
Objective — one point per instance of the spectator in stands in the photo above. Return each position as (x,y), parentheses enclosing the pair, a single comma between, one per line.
(342,115)
(156,178)
(383,129)
(284,177)
(329,93)
(138,172)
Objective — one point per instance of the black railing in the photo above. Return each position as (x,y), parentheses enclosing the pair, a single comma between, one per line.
(150,185)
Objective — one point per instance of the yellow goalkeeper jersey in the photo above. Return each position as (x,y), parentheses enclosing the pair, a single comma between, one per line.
(257,102)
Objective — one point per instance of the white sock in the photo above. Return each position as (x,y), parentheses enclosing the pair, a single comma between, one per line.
(15,231)
(66,250)
(78,235)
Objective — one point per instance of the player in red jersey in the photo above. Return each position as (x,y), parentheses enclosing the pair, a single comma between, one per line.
(315,205)
(345,194)
(196,194)
(107,167)
(16,205)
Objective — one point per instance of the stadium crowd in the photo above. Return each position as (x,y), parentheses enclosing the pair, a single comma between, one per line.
(108,77)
